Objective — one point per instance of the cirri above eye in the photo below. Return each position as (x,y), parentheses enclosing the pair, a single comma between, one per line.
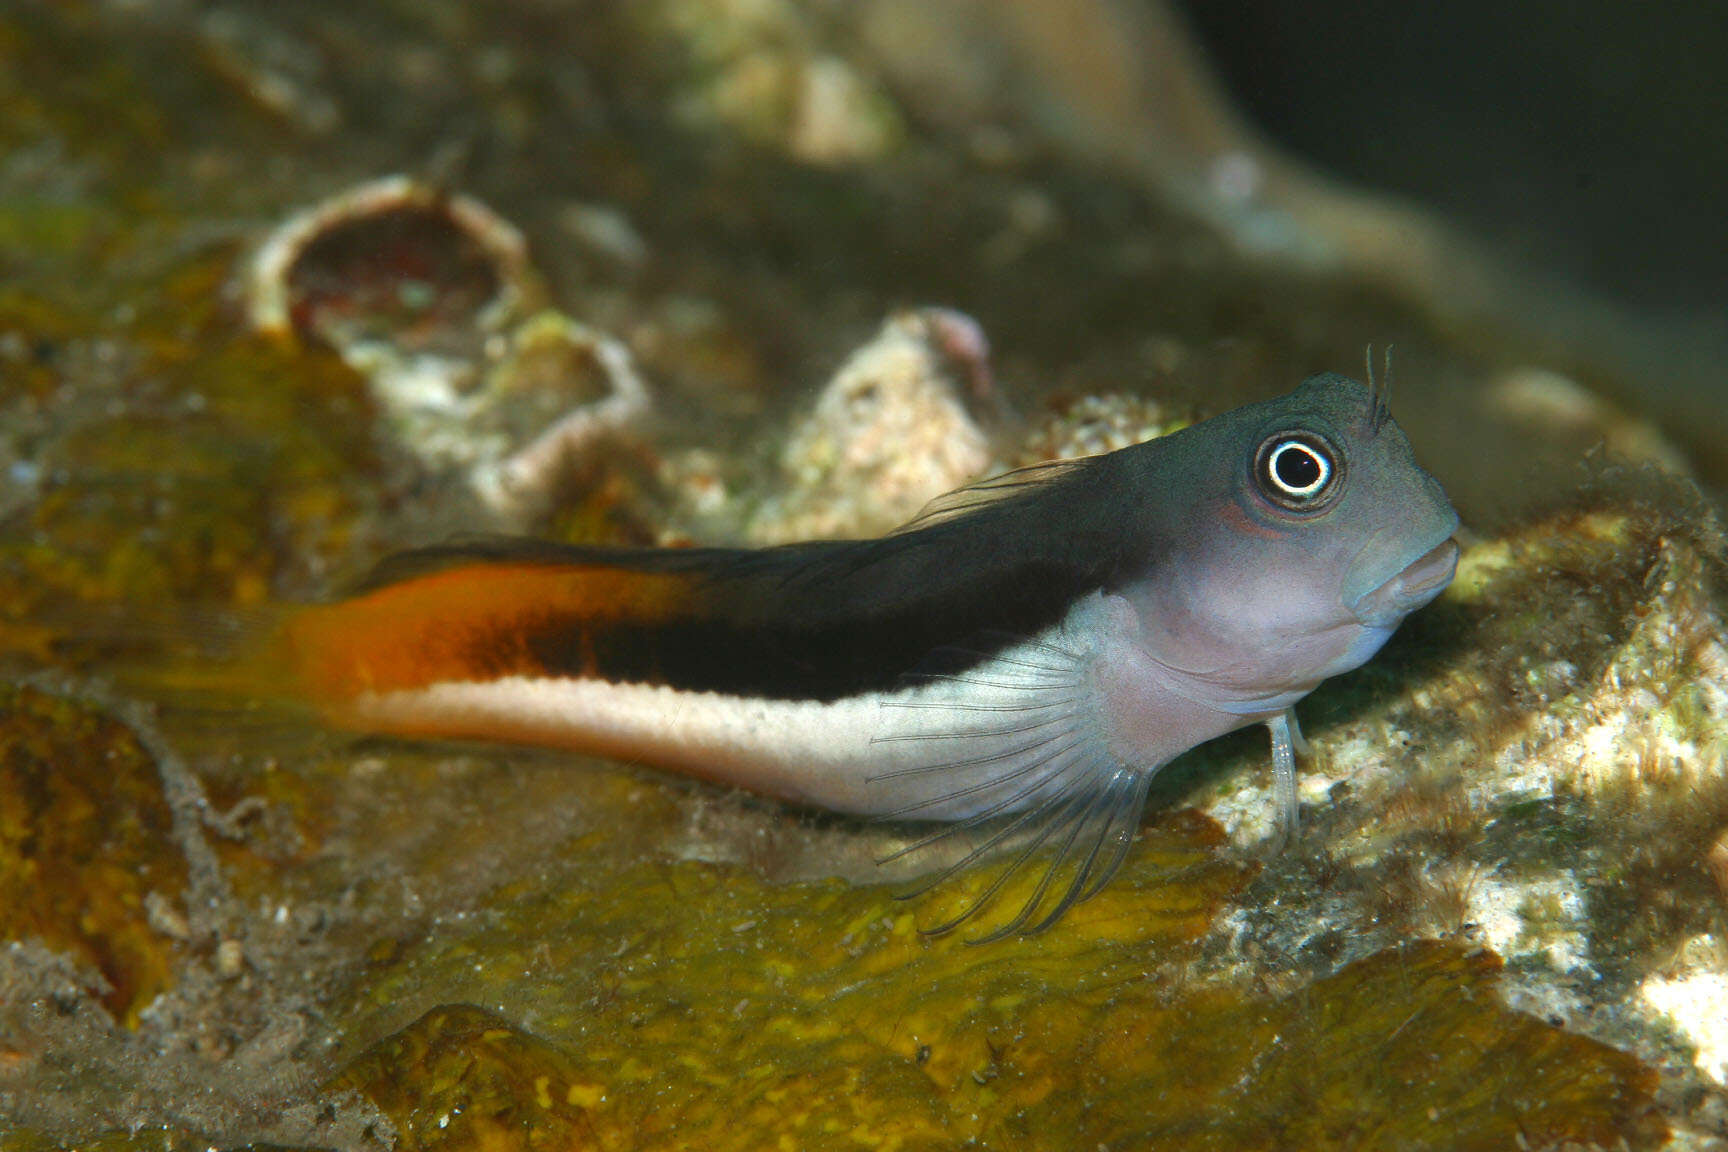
(1297,470)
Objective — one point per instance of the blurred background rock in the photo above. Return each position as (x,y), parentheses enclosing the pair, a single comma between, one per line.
(1587,141)
(1590,140)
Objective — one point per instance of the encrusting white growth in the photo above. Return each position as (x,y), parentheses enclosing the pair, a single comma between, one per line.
(1695,1002)
(467,364)
(891,431)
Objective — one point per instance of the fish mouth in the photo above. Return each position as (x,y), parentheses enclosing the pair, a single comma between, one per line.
(1421,580)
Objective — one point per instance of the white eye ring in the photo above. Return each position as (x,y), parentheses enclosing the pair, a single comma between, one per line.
(1297,470)
(1308,459)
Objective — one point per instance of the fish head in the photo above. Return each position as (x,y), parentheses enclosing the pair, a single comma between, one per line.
(1306,533)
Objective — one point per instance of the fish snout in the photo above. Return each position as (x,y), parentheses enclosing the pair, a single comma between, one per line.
(1416,584)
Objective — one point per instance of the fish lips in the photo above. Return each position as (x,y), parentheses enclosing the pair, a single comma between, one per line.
(1419,582)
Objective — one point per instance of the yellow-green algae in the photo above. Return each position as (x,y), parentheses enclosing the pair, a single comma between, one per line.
(1078,1036)
(56,84)
(455,1079)
(178,458)
(190,495)
(816,1009)
(655,1004)
(85,837)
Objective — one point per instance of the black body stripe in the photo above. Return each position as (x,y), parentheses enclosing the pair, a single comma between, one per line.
(793,655)
(826,620)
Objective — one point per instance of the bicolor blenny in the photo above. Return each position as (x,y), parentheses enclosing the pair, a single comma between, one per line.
(1016,663)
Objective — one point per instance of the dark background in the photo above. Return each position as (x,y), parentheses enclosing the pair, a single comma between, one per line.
(1590,140)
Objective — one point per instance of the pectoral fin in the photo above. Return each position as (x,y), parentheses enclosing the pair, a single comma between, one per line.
(1037,798)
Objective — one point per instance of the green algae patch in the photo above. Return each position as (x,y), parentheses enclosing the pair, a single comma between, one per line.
(1410,1049)
(191,500)
(697,1005)
(107,139)
(690,1004)
(86,840)
(940,1045)
(453,1079)
(708,1008)
(188,486)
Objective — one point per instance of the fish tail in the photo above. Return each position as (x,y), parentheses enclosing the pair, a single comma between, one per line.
(218,662)
(473,622)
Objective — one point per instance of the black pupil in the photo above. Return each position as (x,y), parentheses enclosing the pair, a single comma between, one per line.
(1297,468)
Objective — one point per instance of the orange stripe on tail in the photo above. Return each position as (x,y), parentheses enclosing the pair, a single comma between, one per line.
(470,623)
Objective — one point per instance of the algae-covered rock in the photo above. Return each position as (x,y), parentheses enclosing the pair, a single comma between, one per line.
(461,1077)
(1551,786)
(141,501)
(419,946)
(1410,1048)
(87,845)
(699,1005)
(817,1013)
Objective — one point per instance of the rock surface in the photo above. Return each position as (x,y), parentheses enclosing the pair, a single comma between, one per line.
(1505,920)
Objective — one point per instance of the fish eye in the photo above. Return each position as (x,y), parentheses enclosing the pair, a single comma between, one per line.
(1297,470)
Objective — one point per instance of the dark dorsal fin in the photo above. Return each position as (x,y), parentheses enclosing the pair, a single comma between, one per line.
(949,511)
(462,551)
(991,490)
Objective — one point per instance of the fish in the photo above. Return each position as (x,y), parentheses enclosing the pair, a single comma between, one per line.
(1012,667)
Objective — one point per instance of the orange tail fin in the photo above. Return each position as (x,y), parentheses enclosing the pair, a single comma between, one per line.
(470,622)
